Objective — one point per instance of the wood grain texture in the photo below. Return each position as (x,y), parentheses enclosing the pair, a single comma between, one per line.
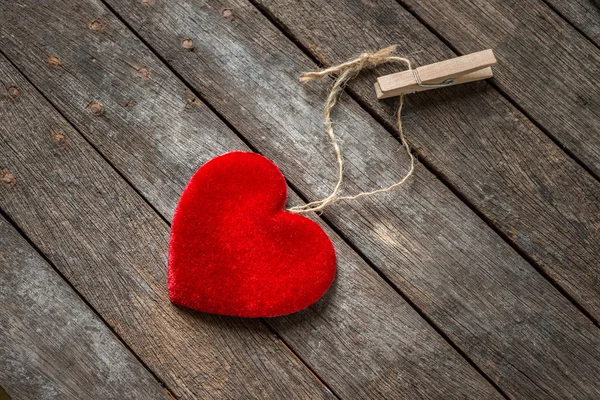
(362,338)
(583,14)
(544,65)
(52,346)
(429,253)
(112,247)
(484,296)
(489,152)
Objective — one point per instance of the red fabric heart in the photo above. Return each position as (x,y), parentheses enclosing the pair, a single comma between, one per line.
(235,251)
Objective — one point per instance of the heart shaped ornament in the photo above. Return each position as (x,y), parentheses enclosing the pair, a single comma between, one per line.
(235,251)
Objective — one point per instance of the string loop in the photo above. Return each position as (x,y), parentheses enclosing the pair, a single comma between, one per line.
(345,72)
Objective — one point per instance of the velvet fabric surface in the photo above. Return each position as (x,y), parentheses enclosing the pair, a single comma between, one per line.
(235,251)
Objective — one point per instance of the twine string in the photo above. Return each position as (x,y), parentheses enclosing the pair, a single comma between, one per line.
(345,72)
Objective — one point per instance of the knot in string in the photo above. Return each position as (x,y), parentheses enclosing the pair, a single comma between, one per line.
(353,67)
(345,72)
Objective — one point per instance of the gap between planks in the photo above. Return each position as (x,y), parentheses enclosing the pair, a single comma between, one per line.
(570,22)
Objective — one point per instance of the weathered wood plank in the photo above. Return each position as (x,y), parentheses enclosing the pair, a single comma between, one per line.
(583,14)
(363,339)
(52,346)
(485,297)
(112,247)
(544,64)
(509,170)
(513,267)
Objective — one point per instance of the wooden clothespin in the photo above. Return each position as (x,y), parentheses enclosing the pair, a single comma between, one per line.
(463,69)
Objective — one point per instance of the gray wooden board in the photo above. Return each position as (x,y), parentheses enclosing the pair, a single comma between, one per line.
(547,67)
(503,165)
(583,14)
(484,296)
(52,346)
(362,338)
(112,247)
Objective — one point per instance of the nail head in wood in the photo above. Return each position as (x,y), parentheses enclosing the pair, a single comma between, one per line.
(96,109)
(187,44)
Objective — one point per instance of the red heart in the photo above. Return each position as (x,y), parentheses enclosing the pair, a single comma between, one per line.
(235,251)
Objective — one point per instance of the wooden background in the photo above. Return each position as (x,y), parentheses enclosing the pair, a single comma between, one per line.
(479,278)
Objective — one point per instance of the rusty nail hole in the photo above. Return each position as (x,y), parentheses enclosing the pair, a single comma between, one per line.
(227,13)
(59,139)
(143,72)
(13,92)
(7,178)
(96,109)
(97,25)
(54,61)
(187,44)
